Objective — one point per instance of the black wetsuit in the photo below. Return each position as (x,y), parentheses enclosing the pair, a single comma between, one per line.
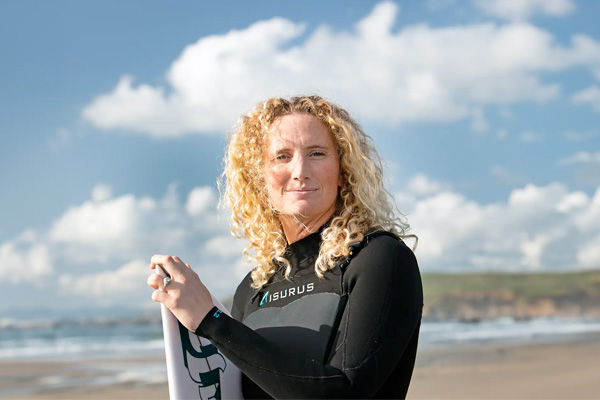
(352,334)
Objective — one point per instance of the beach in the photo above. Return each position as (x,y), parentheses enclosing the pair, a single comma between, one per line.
(78,378)
(562,369)
(558,369)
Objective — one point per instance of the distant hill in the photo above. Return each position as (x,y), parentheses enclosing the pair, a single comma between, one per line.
(475,296)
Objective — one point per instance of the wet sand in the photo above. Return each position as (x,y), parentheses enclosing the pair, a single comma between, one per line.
(568,369)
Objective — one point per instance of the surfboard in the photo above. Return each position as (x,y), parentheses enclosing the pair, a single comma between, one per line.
(195,367)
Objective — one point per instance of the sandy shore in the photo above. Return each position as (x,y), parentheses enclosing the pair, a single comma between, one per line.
(556,370)
(92,379)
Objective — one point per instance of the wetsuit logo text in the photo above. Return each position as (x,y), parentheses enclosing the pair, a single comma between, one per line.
(285,293)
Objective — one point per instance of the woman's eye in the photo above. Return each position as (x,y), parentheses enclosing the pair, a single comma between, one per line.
(281,157)
(317,153)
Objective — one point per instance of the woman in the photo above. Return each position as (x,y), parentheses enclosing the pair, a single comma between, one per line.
(332,308)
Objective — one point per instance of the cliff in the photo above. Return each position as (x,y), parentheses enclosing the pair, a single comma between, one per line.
(472,297)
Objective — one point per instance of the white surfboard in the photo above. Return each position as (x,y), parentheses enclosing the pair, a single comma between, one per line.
(195,367)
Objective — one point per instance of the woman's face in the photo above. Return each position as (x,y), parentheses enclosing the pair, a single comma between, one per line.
(302,169)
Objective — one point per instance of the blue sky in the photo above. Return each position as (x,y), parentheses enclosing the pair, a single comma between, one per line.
(113,117)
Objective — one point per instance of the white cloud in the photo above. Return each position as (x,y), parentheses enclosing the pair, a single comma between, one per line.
(524,9)
(96,228)
(580,136)
(422,185)
(199,200)
(589,254)
(530,137)
(581,157)
(573,202)
(507,177)
(107,284)
(536,228)
(101,192)
(589,96)
(98,252)
(24,262)
(225,246)
(382,75)
(100,228)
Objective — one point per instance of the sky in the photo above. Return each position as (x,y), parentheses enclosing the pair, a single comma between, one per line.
(114,116)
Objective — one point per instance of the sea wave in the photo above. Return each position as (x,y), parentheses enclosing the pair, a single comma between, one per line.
(60,340)
(505,329)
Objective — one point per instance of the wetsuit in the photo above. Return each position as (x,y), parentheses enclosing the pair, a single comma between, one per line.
(352,334)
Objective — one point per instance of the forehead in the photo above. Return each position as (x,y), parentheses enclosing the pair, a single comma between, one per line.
(298,130)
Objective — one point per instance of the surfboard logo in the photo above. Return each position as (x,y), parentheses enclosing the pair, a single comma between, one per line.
(204,364)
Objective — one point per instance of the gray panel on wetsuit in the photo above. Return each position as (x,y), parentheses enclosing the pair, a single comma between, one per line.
(303,325)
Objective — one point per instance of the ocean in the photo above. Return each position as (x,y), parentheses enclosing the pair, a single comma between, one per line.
(96,342)
(58,340)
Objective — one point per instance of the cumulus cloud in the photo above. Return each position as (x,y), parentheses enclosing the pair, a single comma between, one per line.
(422,185)
(98,252)
(589,254)
(25,259)
(537,228)
(384,75)
(106,284)
(199,200)
(589,96)
(525,9)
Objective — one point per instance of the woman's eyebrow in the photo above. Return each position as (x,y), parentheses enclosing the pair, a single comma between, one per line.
(311,147)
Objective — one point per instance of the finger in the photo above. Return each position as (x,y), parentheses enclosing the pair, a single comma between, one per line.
(160,259)
(154,281)
(160,271)
(160,297)
(171,265)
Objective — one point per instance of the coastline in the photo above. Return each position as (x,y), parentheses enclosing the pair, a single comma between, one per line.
(537,369)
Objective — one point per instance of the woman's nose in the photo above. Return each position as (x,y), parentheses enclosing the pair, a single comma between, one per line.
(300,168)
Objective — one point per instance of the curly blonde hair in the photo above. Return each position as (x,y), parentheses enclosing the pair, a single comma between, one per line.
(363,204)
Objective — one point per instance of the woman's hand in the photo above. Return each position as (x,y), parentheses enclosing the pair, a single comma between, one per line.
(186,297)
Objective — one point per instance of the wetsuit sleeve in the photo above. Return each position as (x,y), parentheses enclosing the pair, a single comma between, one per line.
(380,319)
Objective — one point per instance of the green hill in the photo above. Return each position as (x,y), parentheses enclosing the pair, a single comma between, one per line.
(475,296)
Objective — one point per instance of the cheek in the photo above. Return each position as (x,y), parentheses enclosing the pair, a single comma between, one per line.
(335,178)
(275,179)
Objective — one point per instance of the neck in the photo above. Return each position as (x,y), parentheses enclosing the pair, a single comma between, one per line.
(296,229)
